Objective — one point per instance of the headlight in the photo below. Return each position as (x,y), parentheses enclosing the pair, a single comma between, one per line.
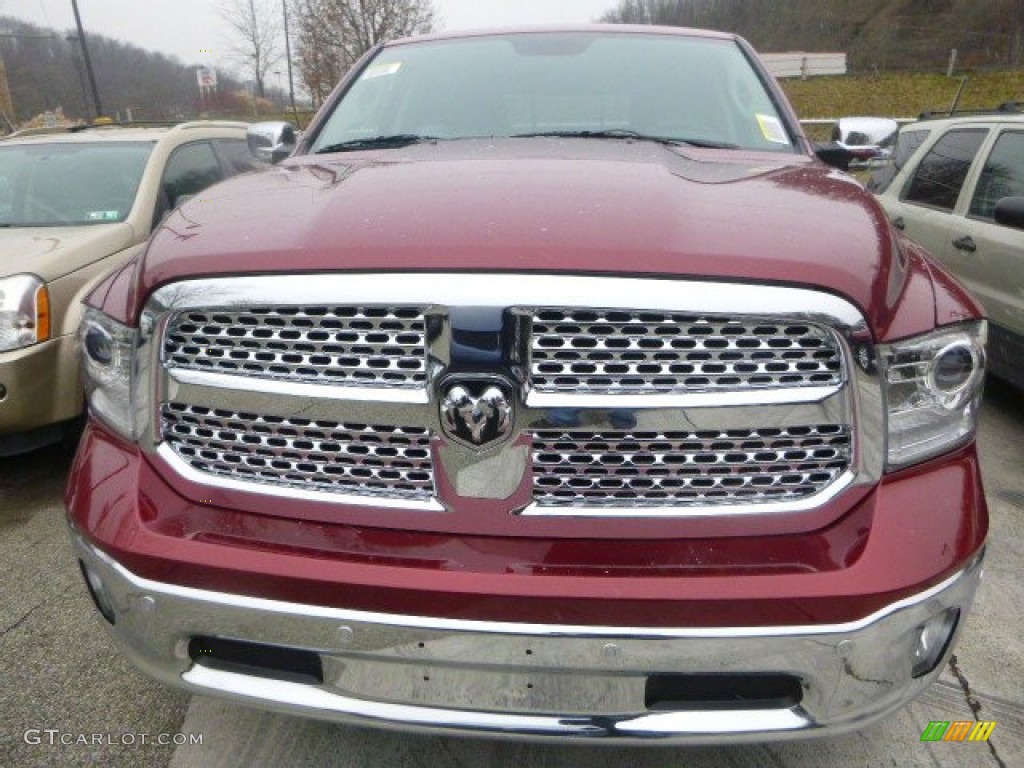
(108,357)
(24,312)
(932,391)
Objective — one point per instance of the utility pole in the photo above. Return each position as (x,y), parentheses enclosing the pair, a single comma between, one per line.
(81,78)
(88,61)
(288,58)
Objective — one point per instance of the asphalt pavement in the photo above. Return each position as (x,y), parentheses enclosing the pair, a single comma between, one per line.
(68,698)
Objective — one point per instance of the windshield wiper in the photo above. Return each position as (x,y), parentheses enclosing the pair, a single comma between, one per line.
(611,133)
(621,133)
(702,143)
(395,141)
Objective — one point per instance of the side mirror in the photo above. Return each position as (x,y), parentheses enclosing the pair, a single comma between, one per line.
(271,142)
(1010,212)
(835,155)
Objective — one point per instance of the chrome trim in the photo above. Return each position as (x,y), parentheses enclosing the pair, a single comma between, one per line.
(648,726)
(509,290)
(656,418)
(718,400)
(588,682)
(275,401)
(858,404)
(299,388)
(327,456)
(839,408)
(573,467)
(331,344)
(595,350)
(290,492)
(731,509)
(501,472)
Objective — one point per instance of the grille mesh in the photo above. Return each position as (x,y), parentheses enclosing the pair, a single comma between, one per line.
(390,462)
(604,351)
(580,350)
(578,468)
(362,346)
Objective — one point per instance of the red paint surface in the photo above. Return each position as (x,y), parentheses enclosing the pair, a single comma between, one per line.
(916,528)
(554,206)
(953,304)
(545,206)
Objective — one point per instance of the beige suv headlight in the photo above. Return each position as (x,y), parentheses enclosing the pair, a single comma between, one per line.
(932,391)
(24,312)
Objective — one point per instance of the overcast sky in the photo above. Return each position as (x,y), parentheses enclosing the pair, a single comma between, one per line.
(193,31)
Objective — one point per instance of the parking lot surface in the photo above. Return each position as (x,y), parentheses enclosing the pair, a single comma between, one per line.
(68,697)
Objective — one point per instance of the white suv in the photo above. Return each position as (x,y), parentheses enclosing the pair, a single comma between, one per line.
(959,194)
(75,205)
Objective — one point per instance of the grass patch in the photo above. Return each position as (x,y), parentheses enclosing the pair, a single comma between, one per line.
(899,95)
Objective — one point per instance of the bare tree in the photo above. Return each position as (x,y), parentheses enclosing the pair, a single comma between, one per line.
(256,27)
(317,46)
(6,105)
(44,73)
(331,35)
(670,12)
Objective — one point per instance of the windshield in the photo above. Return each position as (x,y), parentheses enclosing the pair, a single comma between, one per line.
(601,85)
(65,184)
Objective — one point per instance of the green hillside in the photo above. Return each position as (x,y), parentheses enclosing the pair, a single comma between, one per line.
(899,95)
(877,35)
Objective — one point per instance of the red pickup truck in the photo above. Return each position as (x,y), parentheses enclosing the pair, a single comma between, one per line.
(552,389)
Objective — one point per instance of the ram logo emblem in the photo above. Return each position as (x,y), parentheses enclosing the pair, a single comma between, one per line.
(478,421)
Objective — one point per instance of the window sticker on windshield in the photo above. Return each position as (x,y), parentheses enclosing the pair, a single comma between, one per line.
(772,130)
(102,215)
(381,70)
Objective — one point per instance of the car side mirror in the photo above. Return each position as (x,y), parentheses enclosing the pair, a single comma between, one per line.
(271,142)
(1010,212)
(834,155)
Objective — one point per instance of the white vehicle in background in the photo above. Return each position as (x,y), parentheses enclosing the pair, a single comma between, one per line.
(909,139)
(867,139)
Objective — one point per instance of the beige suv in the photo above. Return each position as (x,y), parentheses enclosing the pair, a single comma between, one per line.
(960,195)
(75,205)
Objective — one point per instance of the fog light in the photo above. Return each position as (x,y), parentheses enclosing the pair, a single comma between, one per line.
(98,592)
(933,639)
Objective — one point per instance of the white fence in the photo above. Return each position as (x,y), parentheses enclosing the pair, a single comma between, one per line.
(799,64)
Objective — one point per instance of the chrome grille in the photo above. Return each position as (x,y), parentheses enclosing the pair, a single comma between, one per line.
(581,468)
(392,345)
(356,459)
(607,351)
(361,346)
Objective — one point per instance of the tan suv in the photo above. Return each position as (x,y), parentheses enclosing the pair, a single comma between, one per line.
(960,194)
(75,205)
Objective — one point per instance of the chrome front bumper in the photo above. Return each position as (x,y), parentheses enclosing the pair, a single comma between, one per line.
(527,681)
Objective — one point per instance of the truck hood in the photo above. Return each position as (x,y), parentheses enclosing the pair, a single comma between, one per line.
(52,252)
(547,205)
